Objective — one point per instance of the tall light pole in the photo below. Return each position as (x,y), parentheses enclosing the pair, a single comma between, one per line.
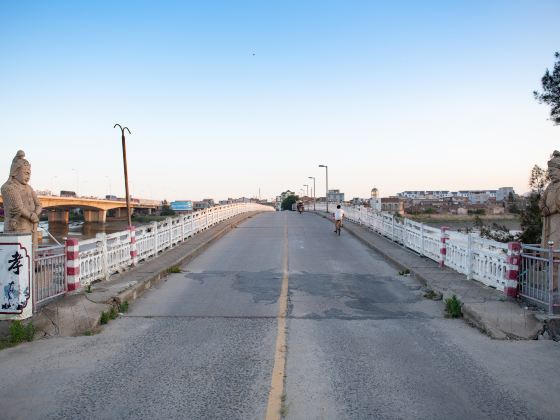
(306,190)
(125,172)
(314,191)
(327,184)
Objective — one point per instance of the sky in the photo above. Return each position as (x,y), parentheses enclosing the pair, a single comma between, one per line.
(224,99)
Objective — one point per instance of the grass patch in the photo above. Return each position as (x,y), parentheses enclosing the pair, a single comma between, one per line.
(453,307)
(88,288)
(123,307)
(283,410)
(113,312)
(104,318)
(173,270)
(20,332)
(88,333)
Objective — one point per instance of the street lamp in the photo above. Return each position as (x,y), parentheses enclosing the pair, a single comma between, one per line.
(125,171)
(327,184)
(306,190)
(314,191)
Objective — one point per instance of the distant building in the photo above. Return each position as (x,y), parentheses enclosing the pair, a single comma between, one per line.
(375,201)
(473,196)
(503,193)
(392,205)
(200,205)
(181,206)
(43,192)
(335,196)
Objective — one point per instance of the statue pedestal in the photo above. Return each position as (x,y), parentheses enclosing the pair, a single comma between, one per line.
(16,276)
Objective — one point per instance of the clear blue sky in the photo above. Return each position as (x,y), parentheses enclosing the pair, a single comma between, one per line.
(225,97)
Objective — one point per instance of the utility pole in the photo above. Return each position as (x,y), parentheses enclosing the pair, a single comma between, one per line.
(128,213)
(327,184)
(313,192)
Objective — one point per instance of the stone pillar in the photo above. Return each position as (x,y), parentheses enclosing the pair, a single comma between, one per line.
(443,250)
(58,216)
(95,216)
(133,251)
(16,281)
(72,264)
(512,272)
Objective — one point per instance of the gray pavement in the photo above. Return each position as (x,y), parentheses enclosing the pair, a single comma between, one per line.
(362,342)
(484,307)
(80,312)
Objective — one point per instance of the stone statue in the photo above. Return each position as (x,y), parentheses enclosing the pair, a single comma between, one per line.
(21,205)
(550,204)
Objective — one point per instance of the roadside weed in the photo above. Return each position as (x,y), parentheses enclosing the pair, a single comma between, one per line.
(104,318)
(453,307)
(123,307)
(20,332)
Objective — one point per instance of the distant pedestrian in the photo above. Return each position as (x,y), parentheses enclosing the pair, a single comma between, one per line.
(338,218)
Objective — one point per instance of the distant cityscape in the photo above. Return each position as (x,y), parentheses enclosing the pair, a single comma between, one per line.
(462,202)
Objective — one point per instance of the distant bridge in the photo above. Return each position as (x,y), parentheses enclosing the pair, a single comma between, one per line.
(95,209)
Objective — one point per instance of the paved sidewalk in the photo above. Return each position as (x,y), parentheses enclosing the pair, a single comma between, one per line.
(79,313)
(484,307)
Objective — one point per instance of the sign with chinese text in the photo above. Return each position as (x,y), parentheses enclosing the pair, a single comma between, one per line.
(16,264)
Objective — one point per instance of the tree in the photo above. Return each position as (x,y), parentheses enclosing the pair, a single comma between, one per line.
(531,220)
(167,211)
(551,90)
(288,201)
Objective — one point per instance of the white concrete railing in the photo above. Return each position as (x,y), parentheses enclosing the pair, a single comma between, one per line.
(106,254)
(480,259)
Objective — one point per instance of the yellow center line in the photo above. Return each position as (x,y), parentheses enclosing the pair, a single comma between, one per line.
(277,383)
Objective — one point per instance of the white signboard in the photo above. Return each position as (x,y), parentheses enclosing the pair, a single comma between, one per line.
(16,263)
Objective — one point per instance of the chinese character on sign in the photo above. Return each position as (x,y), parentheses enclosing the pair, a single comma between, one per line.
(15,263)
(15,276)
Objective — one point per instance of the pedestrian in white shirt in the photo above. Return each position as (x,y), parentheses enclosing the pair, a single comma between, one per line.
(338,218)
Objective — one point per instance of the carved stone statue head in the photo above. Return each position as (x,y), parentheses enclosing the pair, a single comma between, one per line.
(20,169)
(554,167)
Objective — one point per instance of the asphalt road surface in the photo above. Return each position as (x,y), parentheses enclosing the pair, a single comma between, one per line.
(361,342)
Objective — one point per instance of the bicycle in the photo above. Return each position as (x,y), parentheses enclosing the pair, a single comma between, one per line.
(337,226)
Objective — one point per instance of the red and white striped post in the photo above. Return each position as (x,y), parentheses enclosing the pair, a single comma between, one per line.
(443,250)
(72,264)
(512,272)
(133,251)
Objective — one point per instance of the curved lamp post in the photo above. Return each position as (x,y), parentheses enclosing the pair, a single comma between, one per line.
(125,172)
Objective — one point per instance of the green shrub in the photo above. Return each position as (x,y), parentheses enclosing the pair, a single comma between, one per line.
(123,307)
(453,307)
(104,318)
(174,269)
(20,332)
(88,288)
(113,312)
